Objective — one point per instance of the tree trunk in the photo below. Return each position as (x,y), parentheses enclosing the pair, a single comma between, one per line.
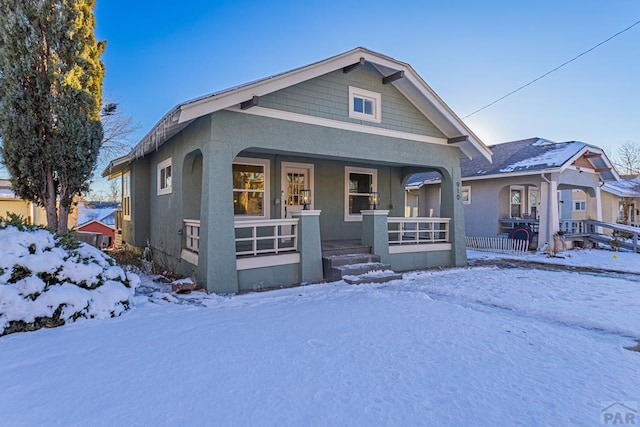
(63,226)
(50,203)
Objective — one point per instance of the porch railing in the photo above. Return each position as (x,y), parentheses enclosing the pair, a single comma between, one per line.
(271,236)
(573,226)
(192,234)
(418,230)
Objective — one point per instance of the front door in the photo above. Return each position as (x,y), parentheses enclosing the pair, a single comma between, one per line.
(295,177)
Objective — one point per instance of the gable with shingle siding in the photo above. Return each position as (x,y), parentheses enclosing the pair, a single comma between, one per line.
(327,97)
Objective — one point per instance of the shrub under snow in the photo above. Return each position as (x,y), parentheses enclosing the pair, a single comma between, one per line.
(46,280)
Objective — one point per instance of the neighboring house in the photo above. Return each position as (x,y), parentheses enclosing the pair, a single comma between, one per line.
(107,232)
(621,196)
(11,203)
(104,212)
(218,188)
(535,182)
(100,218)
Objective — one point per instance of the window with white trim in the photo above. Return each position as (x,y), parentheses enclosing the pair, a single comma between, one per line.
(250,187)
(579,205)
(516,201)
(365,105)
(534,201)
(360,183)
(164,177)
(466,194)
(126,195)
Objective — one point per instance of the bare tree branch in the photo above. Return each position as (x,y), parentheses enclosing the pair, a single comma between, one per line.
(627,158)
(118,128)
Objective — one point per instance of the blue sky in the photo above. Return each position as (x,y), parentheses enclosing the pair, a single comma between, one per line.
(470,53)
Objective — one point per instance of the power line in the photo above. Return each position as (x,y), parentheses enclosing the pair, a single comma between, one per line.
(551,71)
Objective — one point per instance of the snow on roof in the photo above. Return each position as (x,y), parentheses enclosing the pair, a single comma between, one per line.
(104,215)
(549,155)
(532,155)
(629,187)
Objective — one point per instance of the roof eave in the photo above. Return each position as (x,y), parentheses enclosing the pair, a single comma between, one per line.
(412,86)
(116,167)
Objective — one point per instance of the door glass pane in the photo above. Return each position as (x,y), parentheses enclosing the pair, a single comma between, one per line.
(296,181)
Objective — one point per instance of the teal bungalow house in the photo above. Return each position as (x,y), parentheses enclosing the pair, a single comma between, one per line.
(245,188)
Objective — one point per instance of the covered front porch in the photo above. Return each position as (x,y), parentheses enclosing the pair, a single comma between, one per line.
(555,205)
(282,252)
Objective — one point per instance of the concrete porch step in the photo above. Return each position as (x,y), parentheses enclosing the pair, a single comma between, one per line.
(356,268)
(376,276)
(333,265)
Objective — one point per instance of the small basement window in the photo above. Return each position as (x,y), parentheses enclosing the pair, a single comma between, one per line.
(364,105)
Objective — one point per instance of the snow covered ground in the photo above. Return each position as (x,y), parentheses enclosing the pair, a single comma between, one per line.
(470,346)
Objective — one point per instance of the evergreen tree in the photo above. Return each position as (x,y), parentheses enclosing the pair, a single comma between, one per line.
(50,91)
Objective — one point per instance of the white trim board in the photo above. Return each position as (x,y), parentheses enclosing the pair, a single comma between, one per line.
(190,257)
(267,261)
(431,247)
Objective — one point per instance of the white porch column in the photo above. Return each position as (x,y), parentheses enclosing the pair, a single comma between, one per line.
(544,214)
(554,218)
(598,209)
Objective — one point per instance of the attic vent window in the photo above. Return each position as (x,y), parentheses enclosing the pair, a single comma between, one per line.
(364,105)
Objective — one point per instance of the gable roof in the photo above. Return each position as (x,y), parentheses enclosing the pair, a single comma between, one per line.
(104,214)
(109,226)
(530,156)
(412,86)
(626,187)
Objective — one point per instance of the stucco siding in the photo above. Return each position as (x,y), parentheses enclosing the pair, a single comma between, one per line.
(205,150)
(266,277)
(167,211)
(328,97)
(490,202)
(609,207)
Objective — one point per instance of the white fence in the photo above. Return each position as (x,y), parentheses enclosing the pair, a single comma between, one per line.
(418,230)
(498,244)
(271,236)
